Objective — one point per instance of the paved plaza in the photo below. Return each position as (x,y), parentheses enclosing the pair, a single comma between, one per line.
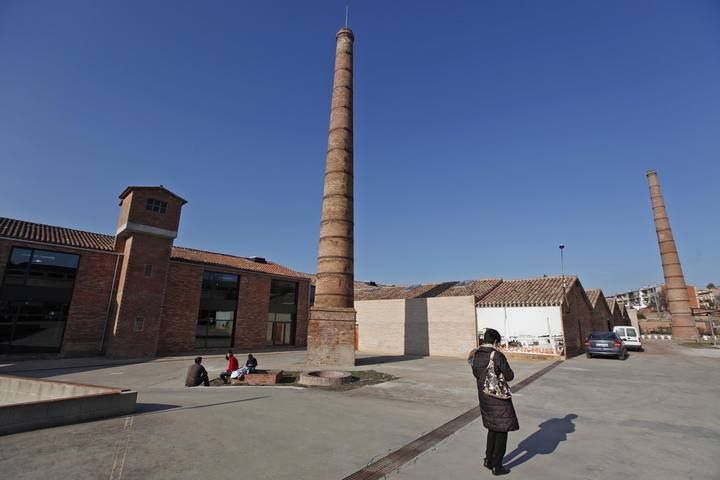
(652,416)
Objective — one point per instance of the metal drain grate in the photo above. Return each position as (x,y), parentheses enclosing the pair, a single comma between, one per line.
(394,460)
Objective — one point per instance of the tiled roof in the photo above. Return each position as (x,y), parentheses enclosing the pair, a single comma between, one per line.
(534,292)
(159,188)
(593,295)
(231,261)
(477,288)
(394,292)
(68,237)
(612,303)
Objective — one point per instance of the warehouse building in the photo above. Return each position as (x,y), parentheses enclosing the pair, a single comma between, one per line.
(135,294)
(602,318)
(548,316)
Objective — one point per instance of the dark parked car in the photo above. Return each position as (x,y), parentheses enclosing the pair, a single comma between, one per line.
(605,344)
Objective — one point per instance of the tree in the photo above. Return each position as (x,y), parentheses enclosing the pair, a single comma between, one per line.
(710,285)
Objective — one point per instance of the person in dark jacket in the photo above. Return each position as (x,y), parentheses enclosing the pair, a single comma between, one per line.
(197,375)
(498,415)
(251,363)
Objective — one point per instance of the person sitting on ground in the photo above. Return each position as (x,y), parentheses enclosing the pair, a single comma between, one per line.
(232,366)
(197,374)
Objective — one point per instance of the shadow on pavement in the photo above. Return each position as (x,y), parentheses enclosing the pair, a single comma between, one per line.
(52,368)
(153,408)
(542,442)
(141,408)
(386,359)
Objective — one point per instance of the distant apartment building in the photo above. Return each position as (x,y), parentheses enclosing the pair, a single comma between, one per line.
(645,297)
(652,296)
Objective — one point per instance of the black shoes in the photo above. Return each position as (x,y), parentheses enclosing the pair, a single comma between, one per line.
(500,471)
(486,463)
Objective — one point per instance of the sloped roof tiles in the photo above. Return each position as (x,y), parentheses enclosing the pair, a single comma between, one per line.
(67,237)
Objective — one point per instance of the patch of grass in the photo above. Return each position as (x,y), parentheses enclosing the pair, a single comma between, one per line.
(360,378)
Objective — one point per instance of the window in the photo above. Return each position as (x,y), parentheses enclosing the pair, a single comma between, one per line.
(139,324)
(156,205)
(148,270)
(35,300)
(216,316)
(282,314)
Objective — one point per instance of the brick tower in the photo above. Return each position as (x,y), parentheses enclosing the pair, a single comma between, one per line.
(331,329)
(683,326)
(148,224)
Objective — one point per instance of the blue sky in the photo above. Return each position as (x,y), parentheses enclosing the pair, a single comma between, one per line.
(486,132)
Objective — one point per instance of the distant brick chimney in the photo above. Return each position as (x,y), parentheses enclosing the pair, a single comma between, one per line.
(683,325)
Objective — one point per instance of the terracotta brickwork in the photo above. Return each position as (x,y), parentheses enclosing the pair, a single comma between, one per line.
(91,295)
(137,295)
(180,309)
(5,247)
(92,298)
(676,290)
(252,315)
(140,297)
(602,319)
(577,320)
(303,310)
(134,208)
(331,337)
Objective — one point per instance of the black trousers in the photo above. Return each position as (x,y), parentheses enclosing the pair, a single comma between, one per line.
(495,449)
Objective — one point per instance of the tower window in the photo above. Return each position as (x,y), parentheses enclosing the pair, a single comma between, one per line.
(156,205)
(148,270)
(139,324)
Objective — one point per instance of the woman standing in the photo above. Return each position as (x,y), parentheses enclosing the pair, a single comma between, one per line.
(498,414)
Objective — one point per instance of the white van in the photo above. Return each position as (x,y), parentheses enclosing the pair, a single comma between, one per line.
(630,337)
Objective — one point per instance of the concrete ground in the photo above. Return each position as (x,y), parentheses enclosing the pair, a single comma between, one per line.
(654,415)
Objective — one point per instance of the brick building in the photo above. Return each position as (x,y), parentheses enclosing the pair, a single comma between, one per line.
(602,317)
(617,310)
(135,294)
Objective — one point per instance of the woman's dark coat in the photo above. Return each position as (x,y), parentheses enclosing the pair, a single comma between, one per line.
(497,414)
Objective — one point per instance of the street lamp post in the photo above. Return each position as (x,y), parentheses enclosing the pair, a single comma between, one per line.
(562,265)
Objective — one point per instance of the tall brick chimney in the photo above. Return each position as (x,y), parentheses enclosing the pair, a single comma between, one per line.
(683,325)
(148,224)
(331,329)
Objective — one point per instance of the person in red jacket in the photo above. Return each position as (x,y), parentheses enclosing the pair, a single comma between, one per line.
(232,366)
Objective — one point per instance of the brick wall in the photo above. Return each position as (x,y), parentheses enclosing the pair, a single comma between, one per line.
(655,326)
(5,247)
(140,296)
(602,319)
(252,314)
(180,309)
(90,302)
(91,295)
(168,304)
(618,317)
(133,209)
(577,320)
(303,312)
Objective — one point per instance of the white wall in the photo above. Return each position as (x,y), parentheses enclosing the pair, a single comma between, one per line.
(381,326)
(516,321)
(443,326)
(451,326)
